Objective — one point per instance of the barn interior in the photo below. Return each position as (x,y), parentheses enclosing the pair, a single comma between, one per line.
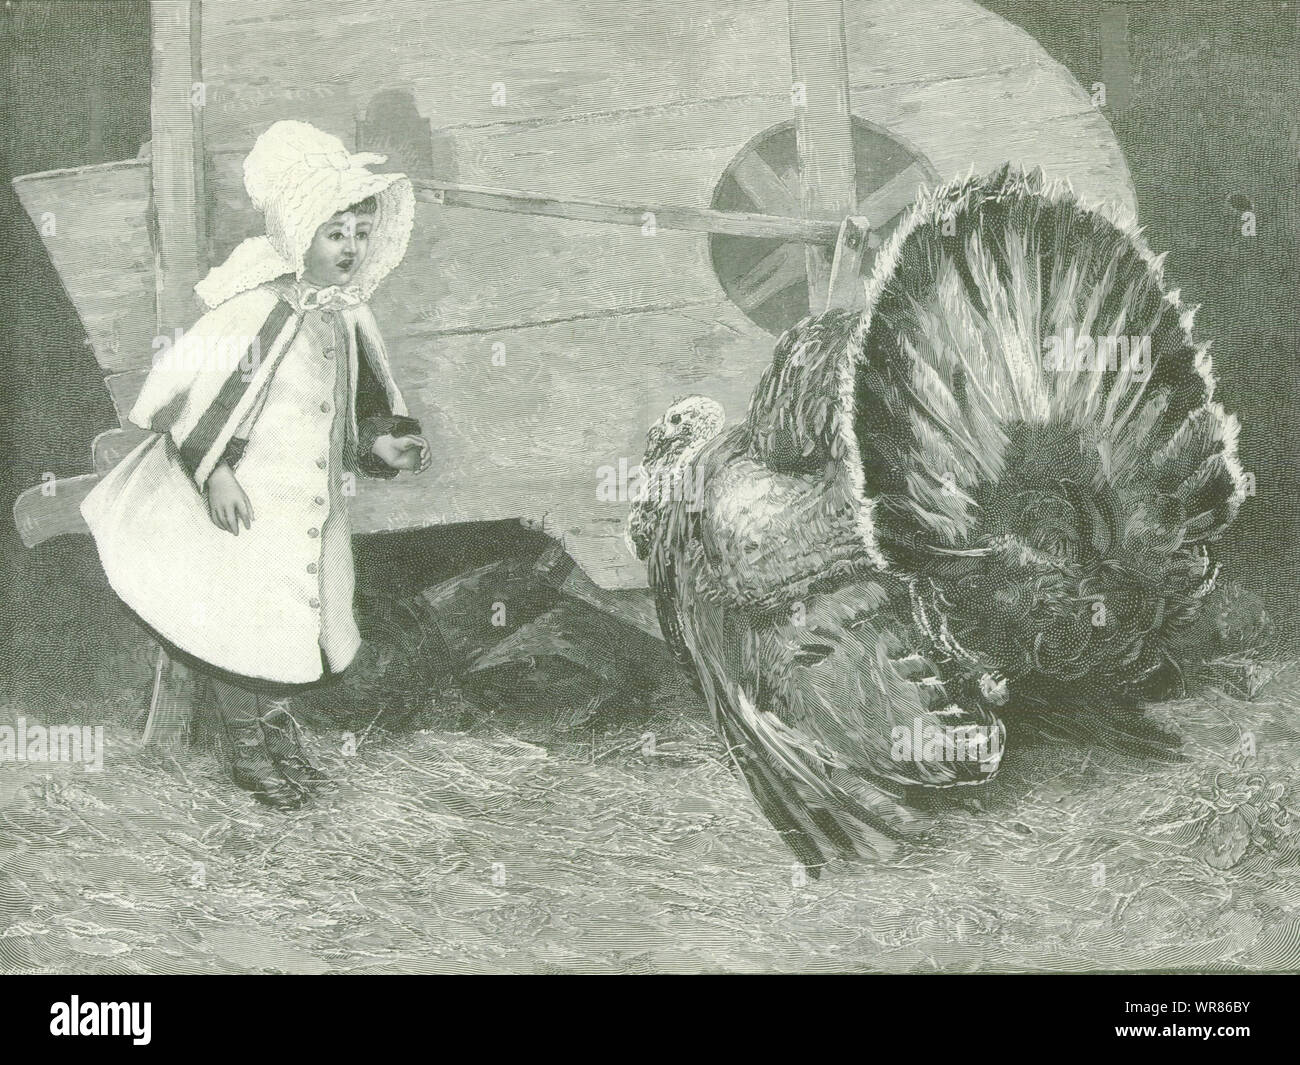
(549,796)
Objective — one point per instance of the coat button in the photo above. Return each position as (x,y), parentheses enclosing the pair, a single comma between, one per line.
(320,501)
(313,533)
(311,568)
(328,353)
(313,603)
(325,407)
(322,463)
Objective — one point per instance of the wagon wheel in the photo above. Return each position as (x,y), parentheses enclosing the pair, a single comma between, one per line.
(767,277)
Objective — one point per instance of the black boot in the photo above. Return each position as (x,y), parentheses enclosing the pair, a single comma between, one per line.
(251,767)
(284,744)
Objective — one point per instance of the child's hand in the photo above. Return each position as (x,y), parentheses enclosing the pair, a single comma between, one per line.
(404,452)
(227,502)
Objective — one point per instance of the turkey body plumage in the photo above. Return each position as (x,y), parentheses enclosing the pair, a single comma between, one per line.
(942,511)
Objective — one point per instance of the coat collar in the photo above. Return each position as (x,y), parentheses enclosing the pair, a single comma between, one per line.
(303,296)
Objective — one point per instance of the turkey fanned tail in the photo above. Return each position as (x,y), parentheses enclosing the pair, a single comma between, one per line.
(996,487)
(1038,430)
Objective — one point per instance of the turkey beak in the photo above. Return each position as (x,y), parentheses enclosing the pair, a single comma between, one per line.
(654,436)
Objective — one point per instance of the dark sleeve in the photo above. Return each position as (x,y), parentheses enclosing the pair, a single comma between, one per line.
(234,452)
(372,400)
(371,429)
(375,418)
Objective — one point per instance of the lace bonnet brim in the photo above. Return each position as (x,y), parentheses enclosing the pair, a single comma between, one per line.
(299,177)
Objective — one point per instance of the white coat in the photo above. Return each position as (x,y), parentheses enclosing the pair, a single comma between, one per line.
(268,602)
(265,365)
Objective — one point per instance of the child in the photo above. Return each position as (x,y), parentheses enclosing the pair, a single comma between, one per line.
(227,533)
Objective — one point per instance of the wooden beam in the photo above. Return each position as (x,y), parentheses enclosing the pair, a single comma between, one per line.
(844,289)
(764,185)
(819,62)
(695,219)
(80,212)
(176,149)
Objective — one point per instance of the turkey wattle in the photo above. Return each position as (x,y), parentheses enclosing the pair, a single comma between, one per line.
(969,500)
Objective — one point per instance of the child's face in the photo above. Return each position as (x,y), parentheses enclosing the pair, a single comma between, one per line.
(338,249)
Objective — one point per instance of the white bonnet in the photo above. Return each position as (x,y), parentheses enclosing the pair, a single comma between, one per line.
(298,177)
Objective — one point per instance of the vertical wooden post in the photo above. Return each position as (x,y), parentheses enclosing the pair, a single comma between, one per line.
(172,706)
(179,228)
(819,60)
(844,287)
(178,192)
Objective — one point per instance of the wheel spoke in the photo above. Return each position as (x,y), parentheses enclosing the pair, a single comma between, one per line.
(773,273)
(765,187)
(893,197)
(768,175)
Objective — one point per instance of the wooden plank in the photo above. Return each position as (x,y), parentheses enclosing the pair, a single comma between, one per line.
(557,61)
(552,435)
(692,219)
(93,221)
(1041,118)
(123,389)
(178,195)
(819,64)
(113,445)
(46,511)
(551,58)
(472,270)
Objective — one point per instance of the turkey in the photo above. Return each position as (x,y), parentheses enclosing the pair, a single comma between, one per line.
(990,496)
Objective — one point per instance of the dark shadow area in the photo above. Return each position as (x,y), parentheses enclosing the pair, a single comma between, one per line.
(1205,103)
(75,81)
